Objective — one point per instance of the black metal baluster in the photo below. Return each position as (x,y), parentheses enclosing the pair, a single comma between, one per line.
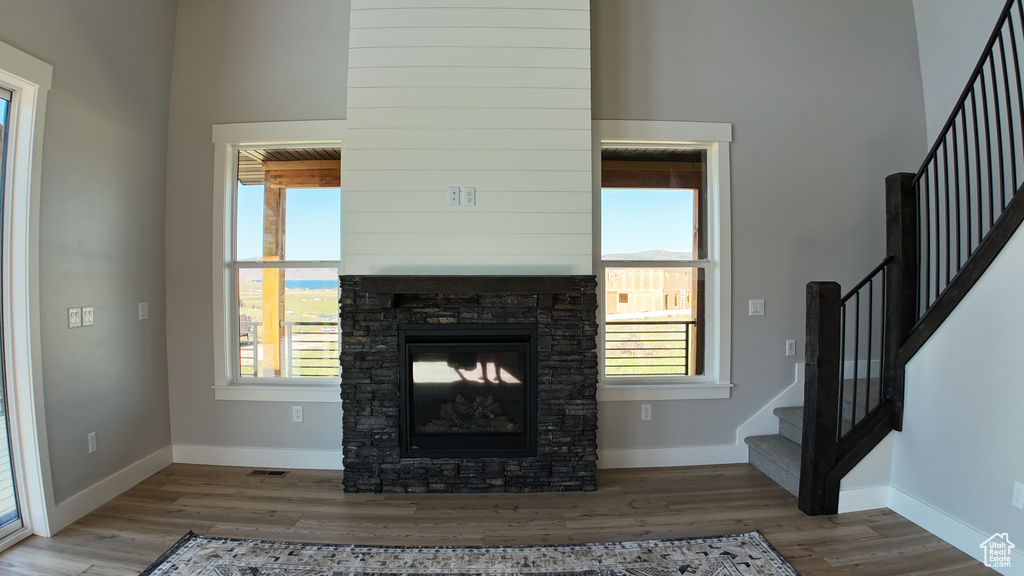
(1009,102)
(843,311)
(988,148)
(1010,127)
(856,356)
(977,163)
(938,232)
(1020,96)
(867,354)
(882,347)
(945,190)
(967,181)
(926,234)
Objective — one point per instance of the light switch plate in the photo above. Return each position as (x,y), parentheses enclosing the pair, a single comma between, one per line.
(88,317)
(756,307)
(74,317)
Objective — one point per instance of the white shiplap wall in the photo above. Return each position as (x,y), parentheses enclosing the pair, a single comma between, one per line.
(487,93)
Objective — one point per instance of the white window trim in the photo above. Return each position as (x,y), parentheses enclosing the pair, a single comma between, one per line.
(30,80)
(716,137)
(226,139)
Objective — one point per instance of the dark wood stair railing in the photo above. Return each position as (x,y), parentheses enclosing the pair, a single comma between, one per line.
(945,225)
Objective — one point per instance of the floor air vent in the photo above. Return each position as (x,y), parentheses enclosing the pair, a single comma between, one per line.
(269,473)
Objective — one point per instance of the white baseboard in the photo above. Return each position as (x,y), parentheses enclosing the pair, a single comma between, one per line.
(963,537)
(258,457)
(70,510)
(674,456)
(857,499)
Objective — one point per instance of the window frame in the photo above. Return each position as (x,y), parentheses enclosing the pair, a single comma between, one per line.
(228,139)
(30,80)
(715,138)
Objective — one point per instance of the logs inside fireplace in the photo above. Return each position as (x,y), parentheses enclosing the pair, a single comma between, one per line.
(469,383)
(467,390)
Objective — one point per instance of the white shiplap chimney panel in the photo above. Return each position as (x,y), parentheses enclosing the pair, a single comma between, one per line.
(490,94)
(466,97)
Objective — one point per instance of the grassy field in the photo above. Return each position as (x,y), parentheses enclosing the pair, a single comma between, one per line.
(314,349)
(300,305)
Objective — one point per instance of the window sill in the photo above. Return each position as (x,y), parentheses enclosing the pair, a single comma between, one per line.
(636,392)
(271,393)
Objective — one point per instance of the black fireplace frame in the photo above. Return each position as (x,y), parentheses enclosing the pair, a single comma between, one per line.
(467,337)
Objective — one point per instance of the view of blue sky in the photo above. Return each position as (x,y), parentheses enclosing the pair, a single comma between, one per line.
(634,220)
(312,226)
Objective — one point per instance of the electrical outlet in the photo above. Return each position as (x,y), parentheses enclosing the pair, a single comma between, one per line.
(454,194)
(143,310)
(1018,495)
(74,317)
(790,347)
(92,442)
(645,411)
(469,195)
(296,413)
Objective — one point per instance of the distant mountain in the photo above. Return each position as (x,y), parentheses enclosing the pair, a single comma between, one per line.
(256,274)
(649,255)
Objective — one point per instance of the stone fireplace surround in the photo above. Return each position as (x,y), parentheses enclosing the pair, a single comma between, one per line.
(563,309)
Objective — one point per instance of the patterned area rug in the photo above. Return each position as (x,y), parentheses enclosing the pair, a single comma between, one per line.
(736,555)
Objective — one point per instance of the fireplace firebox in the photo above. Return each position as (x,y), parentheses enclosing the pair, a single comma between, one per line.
(467,391)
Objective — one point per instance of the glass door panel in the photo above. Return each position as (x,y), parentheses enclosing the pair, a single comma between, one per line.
(10,515)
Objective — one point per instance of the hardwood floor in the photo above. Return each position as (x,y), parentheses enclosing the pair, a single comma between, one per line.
(122,537)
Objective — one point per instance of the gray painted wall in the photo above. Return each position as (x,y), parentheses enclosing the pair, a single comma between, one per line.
(101,230)
(825,101)
(237,61)
(950,38)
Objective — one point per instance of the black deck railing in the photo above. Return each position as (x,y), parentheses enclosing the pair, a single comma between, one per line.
(648,347)
(309,349)
(945,225)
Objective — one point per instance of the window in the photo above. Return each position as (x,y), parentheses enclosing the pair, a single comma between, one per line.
(661,256)
(287,233)
(280,258)
(653,247)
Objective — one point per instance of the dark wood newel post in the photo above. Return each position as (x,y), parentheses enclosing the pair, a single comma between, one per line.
(821,390)
(901,244)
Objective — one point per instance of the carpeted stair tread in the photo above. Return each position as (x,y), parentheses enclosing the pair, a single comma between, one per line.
(791,422)
(778,455)
(792,414)
(778,458)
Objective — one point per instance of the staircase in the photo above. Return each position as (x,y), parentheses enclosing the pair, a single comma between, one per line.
(778,455)
(945,224)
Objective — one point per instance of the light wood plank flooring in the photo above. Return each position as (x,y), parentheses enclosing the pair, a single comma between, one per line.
(122,537)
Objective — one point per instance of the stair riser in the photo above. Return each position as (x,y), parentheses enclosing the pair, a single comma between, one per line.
(782,477)
(790,431)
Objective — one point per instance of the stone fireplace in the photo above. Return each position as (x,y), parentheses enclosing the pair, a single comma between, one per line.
(469,383)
